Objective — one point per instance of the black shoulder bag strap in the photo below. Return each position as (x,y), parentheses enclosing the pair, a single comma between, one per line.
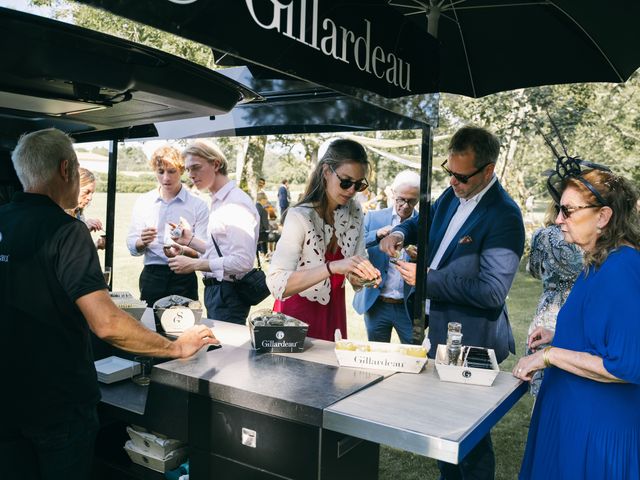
(215,244)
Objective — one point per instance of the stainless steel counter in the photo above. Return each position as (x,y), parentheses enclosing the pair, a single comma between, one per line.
(421,414)
(412,412)
(286,387)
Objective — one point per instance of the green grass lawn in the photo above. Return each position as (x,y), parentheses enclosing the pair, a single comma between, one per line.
(509,436)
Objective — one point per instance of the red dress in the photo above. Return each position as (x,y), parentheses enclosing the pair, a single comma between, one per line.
(322,319)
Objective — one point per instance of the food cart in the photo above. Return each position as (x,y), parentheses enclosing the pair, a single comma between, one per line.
(244,415)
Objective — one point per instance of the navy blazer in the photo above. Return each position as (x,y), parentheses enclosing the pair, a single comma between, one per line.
(475,274)
(373,220)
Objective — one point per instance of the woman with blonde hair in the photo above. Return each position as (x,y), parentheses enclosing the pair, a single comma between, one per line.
(85,196)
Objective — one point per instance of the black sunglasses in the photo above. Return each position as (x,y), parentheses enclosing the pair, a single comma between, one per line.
(461,178)
(346,184)
(568,210)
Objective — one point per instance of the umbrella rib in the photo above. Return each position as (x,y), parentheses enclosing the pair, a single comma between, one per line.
(404,5)
(527,4)
(464,48)
(595,44)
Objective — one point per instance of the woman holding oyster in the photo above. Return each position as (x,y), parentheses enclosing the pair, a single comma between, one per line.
(322,244)
(586,421)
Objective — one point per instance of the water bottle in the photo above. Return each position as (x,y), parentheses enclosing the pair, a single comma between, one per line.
(454,342)
(453,327)
(454,347)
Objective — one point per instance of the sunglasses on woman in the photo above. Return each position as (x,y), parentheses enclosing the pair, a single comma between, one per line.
(460,177)
(346,184)
(568,210)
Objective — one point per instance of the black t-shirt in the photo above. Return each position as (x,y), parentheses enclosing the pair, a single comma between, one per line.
(47,262)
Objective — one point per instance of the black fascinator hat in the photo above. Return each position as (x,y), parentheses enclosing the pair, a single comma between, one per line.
(569,167)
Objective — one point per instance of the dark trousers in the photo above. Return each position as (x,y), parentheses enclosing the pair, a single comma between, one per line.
(382,317)
(158,281)
(60,451)
(223,303)
(479,464)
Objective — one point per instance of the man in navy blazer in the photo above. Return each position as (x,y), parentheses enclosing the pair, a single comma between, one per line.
(384,307)
(475,243)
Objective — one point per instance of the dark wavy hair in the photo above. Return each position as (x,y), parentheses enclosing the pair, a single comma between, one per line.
(339,152)
(621,196)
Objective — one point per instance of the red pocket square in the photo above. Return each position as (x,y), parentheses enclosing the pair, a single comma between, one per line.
(465,239)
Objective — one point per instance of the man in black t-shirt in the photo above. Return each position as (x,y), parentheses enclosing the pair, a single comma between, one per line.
(52,293)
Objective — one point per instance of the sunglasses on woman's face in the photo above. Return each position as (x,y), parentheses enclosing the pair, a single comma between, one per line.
(568,210)
(346,184)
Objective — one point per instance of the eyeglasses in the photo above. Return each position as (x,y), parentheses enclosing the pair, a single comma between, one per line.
(412,202)
(459,177)
(346,184)
(568,210)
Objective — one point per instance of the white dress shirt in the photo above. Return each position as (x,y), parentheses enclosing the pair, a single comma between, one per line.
(394,283)
(234,223)
(150,210)
(466,207)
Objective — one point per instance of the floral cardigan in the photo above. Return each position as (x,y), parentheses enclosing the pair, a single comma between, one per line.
(302,246)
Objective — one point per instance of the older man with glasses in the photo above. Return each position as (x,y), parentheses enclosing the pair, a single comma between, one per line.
(476,239)
(384,307)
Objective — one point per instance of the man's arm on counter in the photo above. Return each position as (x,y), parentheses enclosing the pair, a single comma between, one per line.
(120,329)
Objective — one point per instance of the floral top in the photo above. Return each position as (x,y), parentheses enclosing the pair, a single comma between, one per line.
(555,262)
(303,242)
(558,264)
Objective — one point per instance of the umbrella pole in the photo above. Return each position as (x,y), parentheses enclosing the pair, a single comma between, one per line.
(111,206)
(423,235)
(433,17)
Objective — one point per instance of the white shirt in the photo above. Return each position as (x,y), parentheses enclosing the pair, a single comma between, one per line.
(393,284)
(234,223)
(150,210)
(466,207)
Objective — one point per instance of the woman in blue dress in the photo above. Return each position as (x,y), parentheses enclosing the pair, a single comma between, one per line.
(586,421)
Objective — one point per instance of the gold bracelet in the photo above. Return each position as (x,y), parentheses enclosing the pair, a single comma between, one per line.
(545,357)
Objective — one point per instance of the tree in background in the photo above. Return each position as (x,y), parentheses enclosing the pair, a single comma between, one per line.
(101,21)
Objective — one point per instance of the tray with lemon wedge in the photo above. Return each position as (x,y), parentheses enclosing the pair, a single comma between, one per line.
(380,356)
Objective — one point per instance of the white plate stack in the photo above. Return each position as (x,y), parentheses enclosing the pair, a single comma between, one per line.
(114,369)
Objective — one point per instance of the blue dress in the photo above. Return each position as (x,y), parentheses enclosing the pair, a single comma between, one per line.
(580,428)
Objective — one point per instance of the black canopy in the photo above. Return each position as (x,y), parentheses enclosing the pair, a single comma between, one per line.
(397,48)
